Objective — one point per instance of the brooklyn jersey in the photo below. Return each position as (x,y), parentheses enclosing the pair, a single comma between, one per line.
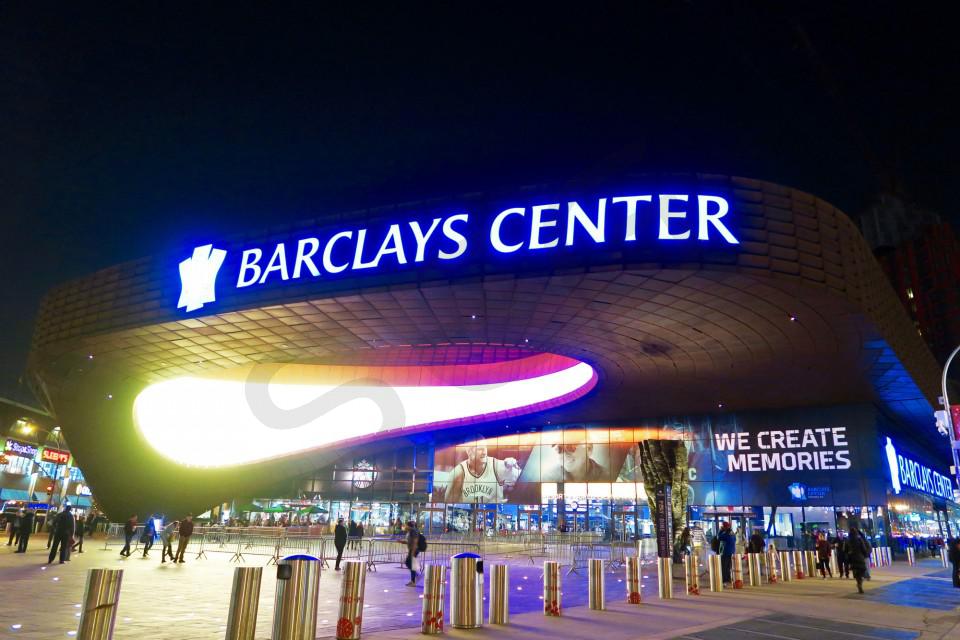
(483,488)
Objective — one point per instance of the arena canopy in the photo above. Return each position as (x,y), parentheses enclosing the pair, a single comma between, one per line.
(614,301)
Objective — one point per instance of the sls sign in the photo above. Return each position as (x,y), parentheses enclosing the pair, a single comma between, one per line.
(616,221)
(905,472)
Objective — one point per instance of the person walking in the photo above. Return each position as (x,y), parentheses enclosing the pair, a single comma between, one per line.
(352,534)
(26,528)
(49,522)
(14,520)
(728,547)
(149,533)
(415,544)
(843,567)
(857,550)
(824,551)
(186,530)
(129,529)
(63,530)
(953,555)
(82,525)
(166,538)
(339,541)
(359,532)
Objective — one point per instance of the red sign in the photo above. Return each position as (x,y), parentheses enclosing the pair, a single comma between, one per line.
(55,455)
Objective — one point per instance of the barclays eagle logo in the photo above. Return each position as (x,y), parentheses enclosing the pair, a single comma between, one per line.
(198,277)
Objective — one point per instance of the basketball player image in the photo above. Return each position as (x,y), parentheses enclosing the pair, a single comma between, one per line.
(481,478)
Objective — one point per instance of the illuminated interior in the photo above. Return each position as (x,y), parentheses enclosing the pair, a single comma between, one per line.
(257,413)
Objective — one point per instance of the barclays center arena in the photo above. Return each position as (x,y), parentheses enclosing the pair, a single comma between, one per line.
(490,362)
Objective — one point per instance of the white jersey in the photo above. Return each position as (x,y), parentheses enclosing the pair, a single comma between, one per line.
(483,488)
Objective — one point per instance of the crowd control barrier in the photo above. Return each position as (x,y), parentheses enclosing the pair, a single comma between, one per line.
(499,594)
(596,585)
(551,588)
(431,619)
(100,601)
(244,601)
(466,591)
(350,616)
(634,587)
(295,605)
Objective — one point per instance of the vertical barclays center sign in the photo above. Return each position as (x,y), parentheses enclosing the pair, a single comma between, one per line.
(908,473)
(565,229)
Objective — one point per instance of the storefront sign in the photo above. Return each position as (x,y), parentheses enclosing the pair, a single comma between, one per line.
(55,455)
(905,472)
(819,449)
(22,449)
(617,220)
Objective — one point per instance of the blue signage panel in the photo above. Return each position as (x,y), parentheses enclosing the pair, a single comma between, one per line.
(908,473)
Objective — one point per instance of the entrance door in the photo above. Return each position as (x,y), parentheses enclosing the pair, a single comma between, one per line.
(530,521)
(624,526)
(432,521)
(484,519)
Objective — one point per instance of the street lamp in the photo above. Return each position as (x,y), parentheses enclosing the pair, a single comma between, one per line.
(949,416)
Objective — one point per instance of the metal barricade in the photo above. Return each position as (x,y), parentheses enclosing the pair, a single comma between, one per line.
(499,594)
(244,600)
(352,586)
(597,596)
(633,580)
(551,588)
(431,619)
(100,601)
(267,546)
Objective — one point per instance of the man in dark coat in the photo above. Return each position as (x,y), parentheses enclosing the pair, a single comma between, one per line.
(129,529)
(953,555)
(857,550)
(339,540)
(186,530)
(26,524)
(63,529)
(14,520)
(728,547)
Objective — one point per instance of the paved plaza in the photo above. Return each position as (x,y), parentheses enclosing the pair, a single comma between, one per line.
(190,601)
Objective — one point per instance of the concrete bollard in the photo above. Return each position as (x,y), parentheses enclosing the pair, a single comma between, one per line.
(431,616)
(716,573)
(786,566)
(352,586)
(754,577)
(295,603)
(551,588)
(633,580)
(665,578)
(691,573)
(596,595)
(244,601)
(100,600)
(736,570)
(500,594)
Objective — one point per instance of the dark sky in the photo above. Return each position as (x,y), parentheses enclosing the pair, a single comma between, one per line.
(122,132)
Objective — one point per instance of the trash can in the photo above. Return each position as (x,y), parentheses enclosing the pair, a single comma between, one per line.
(466,591)
(295,606)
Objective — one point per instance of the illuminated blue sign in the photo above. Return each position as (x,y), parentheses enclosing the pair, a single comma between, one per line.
(618,220)
(905,472)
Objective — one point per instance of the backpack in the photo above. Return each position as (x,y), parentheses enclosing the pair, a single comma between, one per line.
(715,544)
(421,543)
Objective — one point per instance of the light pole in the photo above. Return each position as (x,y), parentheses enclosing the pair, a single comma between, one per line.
(946,406)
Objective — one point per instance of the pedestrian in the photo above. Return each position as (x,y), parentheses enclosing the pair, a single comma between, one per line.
(63,529)
(728,546)
(842,565)
(756,544)
(149,533)
(415,544)
(14,520)
(49,523)
(352,534)
(824,551)
(953,556)
(857,550)
(186,530)
(26,528)
(166,537)
(359,532)
(339,540)
(82,525)
(129,529)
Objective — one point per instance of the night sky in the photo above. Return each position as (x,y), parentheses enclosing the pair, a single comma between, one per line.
(122,132)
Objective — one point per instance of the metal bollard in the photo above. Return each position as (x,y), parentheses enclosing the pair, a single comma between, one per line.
(244,601)
(466,591)
(887,556)
(633,580)
(943,557)
(295,604)
(352,586)
(691,574)
(773,576)
(911,557)
(597,596)
(551,588)
(665,578)
(716,573)
(811,563)
(798,562)
(499,594)
(834,564)
(874,557)
(786,566)
(736,570)
(753,570)
(431,620)
(100,600)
